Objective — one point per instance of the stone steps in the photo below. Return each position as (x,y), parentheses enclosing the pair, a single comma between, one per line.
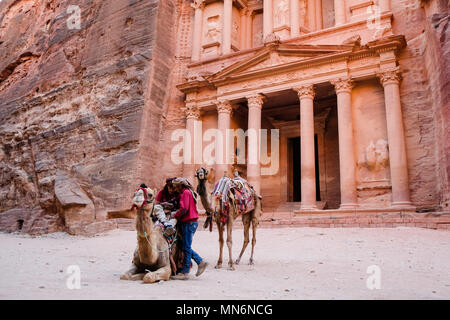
(351,220)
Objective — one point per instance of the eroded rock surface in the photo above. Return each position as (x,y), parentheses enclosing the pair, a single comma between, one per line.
(72,104)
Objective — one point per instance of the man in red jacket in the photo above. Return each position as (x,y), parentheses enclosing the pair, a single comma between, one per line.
(187,217)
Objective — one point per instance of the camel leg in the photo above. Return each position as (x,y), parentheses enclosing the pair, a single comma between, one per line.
(219,262)
(246,221)
(132,274)
(230,243)
(135,272)
(254,226)
(160,274)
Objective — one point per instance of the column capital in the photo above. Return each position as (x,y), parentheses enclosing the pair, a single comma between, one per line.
(305,91)
(342,85)
(244,11)
(198,4)
(390,77)
(191,111)
(224,106)
(256,101)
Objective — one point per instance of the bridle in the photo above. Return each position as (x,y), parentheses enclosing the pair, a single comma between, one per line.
(145,202)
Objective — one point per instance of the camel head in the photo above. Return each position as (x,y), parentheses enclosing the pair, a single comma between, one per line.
(202,174)
(142,197)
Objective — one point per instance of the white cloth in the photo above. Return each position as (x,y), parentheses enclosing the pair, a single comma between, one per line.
(159,213)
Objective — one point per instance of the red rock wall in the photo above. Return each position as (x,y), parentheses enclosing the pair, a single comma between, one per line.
(418,93)
(437,61)
(84,105)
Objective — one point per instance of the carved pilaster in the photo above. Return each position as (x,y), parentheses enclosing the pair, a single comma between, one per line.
(306,91)
(390,77)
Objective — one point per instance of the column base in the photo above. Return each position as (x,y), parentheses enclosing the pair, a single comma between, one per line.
(405,205)
(308,207)
(348,206)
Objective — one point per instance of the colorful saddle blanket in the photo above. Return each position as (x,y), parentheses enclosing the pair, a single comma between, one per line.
(243,197)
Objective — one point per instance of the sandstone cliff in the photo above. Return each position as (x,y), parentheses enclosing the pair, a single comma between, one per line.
(81,109)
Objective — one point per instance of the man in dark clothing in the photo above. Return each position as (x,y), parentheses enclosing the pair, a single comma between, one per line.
(187,216)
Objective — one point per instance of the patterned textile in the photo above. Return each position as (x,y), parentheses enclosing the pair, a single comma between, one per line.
(222,188)
(243,197)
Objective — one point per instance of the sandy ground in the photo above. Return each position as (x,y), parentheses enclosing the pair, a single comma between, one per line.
(303,263)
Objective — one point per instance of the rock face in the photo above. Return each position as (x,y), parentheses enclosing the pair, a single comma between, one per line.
(78,107)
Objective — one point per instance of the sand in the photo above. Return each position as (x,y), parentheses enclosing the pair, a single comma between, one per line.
(291,263)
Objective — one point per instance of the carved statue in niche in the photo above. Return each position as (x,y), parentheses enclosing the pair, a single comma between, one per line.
(281,13)
(259,38)
(235,32)
(377,155)
(213,29)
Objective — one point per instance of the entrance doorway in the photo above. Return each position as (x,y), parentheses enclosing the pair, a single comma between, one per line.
(295,192)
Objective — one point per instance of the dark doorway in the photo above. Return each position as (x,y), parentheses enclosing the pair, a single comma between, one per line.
(295,151)
(296,170)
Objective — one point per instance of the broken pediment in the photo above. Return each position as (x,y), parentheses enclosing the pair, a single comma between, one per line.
(273,57)
(278,58)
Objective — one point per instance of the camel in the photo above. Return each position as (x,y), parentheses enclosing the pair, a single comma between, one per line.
(151,260)
(249,218)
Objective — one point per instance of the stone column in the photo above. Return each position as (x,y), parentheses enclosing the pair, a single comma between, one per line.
(268,18)
(312,15)
(227,23)
(347,165)
(249,29)
(255,104)
(295,20)
(223,149)
(396,136)
(339,11)
(192,114)
(243,29)
(198,5)
(319,20)
(308,164)
(385,5)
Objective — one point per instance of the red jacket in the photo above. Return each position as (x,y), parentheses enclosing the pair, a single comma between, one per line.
(187,204)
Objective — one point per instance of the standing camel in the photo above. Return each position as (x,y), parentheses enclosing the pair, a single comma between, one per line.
(249,218)
(151,260)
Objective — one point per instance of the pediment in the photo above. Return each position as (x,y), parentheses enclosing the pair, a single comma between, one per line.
(269,58)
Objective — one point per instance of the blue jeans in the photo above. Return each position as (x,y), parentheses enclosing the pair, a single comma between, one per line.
(187,231)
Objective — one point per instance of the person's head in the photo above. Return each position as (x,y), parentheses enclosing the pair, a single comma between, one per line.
(169,186)
(180,184)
